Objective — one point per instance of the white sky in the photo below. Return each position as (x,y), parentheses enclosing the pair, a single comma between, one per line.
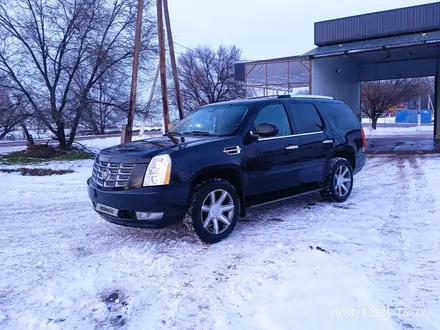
(263,29)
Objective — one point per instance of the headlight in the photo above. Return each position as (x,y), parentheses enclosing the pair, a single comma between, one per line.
(158,172)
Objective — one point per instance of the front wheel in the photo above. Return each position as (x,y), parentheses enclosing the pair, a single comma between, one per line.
(339,182)
(214,209)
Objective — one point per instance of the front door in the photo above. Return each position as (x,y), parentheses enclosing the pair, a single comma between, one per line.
(272,163)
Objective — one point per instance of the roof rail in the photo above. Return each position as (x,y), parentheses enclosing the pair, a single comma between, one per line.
(286,96)
(269,96)
(314,97)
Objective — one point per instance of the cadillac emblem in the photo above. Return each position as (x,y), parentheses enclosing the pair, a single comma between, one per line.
(105,173)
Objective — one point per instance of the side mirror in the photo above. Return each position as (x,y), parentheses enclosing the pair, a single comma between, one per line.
(266,130)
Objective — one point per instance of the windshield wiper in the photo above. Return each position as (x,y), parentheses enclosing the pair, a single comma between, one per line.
(173,133)
(203,133)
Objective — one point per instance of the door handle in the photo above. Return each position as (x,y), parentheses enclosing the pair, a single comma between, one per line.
(292,147)
(327,141)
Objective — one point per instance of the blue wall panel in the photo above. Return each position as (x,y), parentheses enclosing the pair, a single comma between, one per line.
(410,116)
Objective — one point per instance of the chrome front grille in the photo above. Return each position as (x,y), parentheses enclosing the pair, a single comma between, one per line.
(111,174)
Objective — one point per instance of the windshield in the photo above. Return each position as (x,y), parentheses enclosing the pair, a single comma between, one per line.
(212,120)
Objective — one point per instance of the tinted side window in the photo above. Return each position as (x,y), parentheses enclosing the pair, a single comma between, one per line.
(306,118)
(341,115)
(274,114)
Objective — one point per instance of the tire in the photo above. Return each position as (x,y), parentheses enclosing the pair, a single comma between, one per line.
(210,221)
(334,190)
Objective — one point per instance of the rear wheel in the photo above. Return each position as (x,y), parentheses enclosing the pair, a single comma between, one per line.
(339,182)
(214,210)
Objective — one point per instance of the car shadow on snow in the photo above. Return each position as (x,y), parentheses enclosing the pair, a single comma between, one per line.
(275,210)
(278,213)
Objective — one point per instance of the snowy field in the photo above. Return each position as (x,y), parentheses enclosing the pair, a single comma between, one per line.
(17,135)
(63,267)
(385,120)
(390,131)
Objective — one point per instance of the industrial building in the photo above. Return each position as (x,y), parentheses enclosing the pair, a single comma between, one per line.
(393,44)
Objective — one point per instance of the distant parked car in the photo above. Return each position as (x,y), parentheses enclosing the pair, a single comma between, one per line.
(225,157)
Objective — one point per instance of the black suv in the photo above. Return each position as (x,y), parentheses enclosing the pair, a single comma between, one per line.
(225,157)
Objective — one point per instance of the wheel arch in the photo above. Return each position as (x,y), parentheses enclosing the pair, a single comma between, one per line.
(232,174)
(348,153)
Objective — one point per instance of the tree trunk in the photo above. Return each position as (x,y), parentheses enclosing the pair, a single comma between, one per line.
(29,138)
(75,124)
(61,136)
(60,133)
(3,134)
(374,122)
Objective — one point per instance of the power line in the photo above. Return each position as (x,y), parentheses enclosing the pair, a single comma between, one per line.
(176,43)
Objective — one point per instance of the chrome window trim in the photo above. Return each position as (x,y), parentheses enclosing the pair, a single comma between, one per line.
(289,136)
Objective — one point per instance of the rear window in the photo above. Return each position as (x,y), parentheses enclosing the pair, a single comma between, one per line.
(306,118)
(340,114)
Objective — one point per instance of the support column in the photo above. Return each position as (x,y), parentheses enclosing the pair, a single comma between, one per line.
(338,77)
(437,104)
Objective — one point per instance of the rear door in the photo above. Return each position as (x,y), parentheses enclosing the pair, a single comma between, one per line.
(272,163)
(316,140)
(346,125)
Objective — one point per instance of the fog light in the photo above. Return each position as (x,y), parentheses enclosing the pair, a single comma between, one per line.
(149,216)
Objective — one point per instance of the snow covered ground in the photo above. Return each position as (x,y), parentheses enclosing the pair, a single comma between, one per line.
(18,134)
(63,267)
(385,120)
(390,131)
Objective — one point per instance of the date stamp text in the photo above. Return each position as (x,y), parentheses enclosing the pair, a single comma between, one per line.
(372,312)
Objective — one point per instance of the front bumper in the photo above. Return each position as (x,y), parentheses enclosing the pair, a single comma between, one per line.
(169,200)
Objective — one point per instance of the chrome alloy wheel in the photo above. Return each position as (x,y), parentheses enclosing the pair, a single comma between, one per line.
(217,211)
(343,181)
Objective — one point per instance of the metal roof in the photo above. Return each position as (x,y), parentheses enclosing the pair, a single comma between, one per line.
(395,22)
(279,59)
(376,44)
(408,40)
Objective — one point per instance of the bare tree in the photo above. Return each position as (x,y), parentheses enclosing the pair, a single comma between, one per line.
(12,109)
(424,89)
(106,105)
(10,115)
(379,96)
(207,76)
(55,52)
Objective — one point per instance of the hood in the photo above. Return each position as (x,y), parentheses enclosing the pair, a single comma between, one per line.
(142,151)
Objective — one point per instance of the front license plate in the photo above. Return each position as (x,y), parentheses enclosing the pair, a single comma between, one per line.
(106,209)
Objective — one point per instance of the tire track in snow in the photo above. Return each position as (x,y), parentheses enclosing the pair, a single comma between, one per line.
(403,264)
(214,267)
(422,233)
(400,201)
(395,266)
(390,261)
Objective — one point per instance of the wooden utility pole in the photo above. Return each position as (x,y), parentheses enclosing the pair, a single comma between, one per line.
(162,64)
(153,89)
(150,99)
(173,58)
(134,77)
